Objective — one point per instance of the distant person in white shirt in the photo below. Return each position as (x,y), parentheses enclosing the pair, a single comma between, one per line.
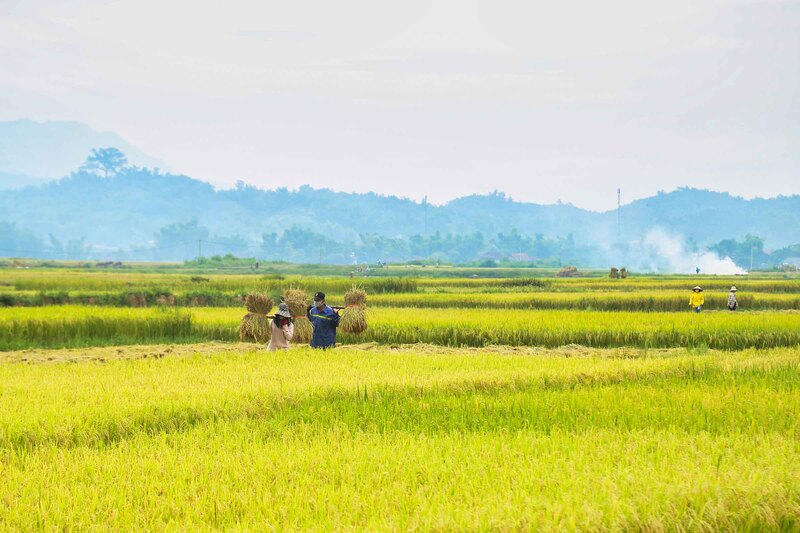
(732,303)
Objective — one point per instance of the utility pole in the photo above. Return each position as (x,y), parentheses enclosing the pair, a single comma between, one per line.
(752,249)
(427,238)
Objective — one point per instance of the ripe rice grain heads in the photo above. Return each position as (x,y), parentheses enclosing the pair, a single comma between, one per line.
(354,315)
(256,302)
(297,300)
(255,324)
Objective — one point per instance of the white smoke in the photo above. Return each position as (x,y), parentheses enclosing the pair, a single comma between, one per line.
(667,254)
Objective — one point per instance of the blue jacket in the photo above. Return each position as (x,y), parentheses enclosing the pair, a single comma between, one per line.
(325,323)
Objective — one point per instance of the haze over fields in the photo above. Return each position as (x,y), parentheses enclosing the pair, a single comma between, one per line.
(439,98)
(136,213)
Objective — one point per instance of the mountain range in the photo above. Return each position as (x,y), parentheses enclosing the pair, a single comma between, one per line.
(131,208)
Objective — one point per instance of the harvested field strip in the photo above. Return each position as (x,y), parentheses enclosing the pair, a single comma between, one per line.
(88,326)
(104,354)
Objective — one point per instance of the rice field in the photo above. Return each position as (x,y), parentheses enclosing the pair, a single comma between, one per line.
(44,288)
(655,301)
(772,283)
(591,300)
(404,439)
(524,403)
(75,280)
(65,326)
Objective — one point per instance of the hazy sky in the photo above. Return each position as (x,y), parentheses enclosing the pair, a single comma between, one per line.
(543,100)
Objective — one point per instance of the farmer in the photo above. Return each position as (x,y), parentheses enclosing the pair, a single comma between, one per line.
(281,328)
(732,303)
(696,300)
(325,321)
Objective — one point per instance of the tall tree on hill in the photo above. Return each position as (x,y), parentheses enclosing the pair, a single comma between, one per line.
(109,161)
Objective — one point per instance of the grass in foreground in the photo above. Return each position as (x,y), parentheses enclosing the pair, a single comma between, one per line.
(411,438)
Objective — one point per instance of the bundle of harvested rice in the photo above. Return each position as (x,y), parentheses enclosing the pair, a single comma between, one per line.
(256,302)
(355,296)
(297,300)
(254,327)
(255,324)
(354,320)
(302,330)
(354,315)
(568,272)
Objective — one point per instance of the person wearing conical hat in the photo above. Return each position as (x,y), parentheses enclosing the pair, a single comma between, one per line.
(696,300)
(732,303)
(281,329)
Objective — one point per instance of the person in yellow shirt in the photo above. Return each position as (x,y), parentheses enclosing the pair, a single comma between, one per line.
(696,300)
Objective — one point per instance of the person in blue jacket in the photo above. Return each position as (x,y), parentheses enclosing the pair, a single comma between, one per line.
(324,320)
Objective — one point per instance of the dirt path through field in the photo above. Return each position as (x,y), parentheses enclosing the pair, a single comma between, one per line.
(107,353)
(156,351)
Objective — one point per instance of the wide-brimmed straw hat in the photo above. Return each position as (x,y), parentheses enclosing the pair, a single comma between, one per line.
(733,289)
(698,289)
(283,310)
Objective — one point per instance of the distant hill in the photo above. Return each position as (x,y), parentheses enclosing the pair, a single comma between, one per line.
(17,181)
(495,213)
(708,216)
(130,209)
(31,151)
